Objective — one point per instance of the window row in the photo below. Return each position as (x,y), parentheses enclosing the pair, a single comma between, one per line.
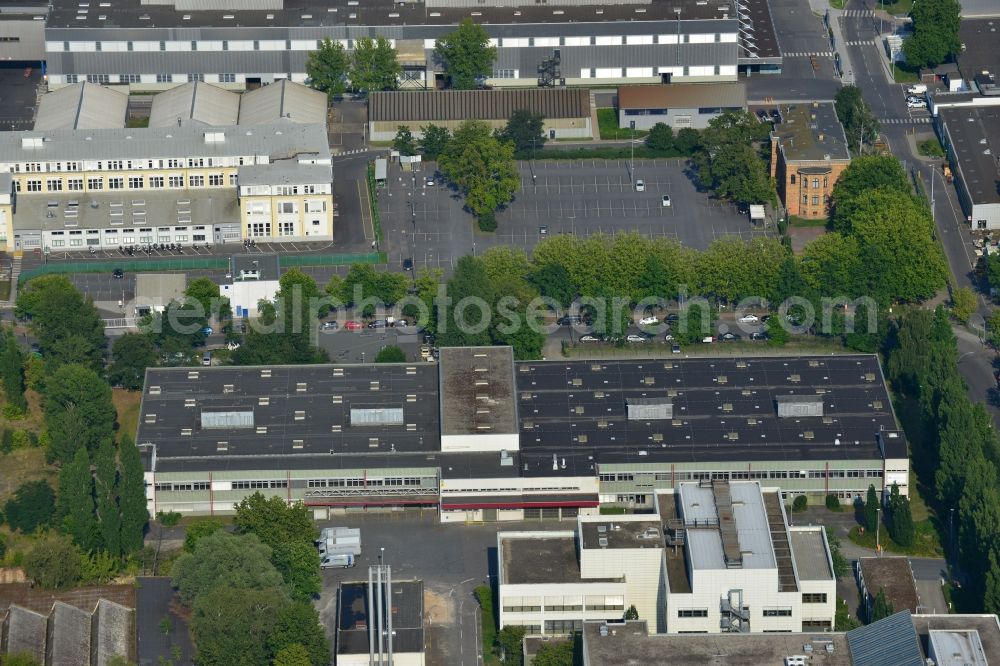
(814,597)
(122,183)
(131,165)
(256,485)
(815,181)
(692,612)
(777,612)
(743,474)
(175,487)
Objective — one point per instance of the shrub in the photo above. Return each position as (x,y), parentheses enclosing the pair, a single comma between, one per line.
(169,519)
(488,221)
(833,503)
(53,563)
(800,503)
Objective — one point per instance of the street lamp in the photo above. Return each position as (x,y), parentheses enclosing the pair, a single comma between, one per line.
(631,162)
(878,512)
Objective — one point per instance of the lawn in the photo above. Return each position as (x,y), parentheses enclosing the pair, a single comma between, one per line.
(930,148)
(898,8)
(796,221)
(837,4)
(489,624)
(904,74)
(925,544)
(607,122)
(127,406)
(21,466)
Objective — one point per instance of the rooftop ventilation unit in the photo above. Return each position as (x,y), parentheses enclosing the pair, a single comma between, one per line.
(799,405)
(649,409)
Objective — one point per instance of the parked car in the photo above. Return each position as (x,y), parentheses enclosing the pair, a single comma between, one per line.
(775,116)
(353,325)
(729,337)
(665,201)
(635,338)
(649,321)
(206,359)
(568,320)
(337,561)
(232,346)
(917,89)
(749,319)
(640,185)
(328,326)
(668,337)
(758,336)
(708,339)
(762,116)
(208,330)
(118,274)
(916,104)
(590,338)
(676,349)
(429,181)
(378,323)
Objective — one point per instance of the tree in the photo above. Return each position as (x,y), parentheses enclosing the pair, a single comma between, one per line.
(274,521)
(199,528)
(481,166)
(687,141)
(881,608)
(800,504)
(963,303)
(660,138)
(434,141)
(993,329)
(206,293)
(509,641)
(327,68)
(729,164)
(131,354)
(861,127)
(469,280)
(53,563)
(299,624)
(831,265)
(78,411)
(466,55)
(390,354)
(363,282)
(864,174)
(76,501)
(67,325)
(526,130)
(841,567)
(553,281)
(900,520)
(231,625)
(404,141)
(228,561)
(106,492)
(732,269)
(554,654)
(631,613)
(374,65)
(292,655)
(777,334)
(32,506)
(12,370)
(935,33)
(131,496)
(298,564)
(872,506)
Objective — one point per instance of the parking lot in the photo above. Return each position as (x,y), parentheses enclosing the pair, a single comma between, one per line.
(582,197)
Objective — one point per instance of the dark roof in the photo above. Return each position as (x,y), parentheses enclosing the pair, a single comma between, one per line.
(811,133)
(407,606)
(760,40)
(683,96)
(894,575)
(312,13)
(290,411)
(979,37)
(269,265)
(552,559)
(444,105)
(891,641)
(975,138)
(477,391)
(153,598)
(577,411)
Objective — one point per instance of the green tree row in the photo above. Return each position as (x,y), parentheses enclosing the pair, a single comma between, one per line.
(371,66)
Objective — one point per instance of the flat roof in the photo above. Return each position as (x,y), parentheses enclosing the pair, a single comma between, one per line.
(894,575)
(477,391)
(296,411)
(499,104)
(310,13)
(284,173)
(622,534)
(723,410)
(80,211)
(972,8)
(975,139)
(267,265)
(979,38)
(159,288)
(279,140)
(719,534)
(81,106)
(811,132)
(630,643)
(957,647)
(810,553)
(531,560)
(683,96)
(407,608)
(986,626)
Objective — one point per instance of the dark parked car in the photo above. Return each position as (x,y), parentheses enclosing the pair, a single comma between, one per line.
(762,116)
(118,274)
(775,116)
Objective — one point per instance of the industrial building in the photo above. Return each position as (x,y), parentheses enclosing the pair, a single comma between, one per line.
(187,183)
(678,105)
(808,154)
(971,136)
(893,576)
(482,437)
(67,634)
(717,557)
(567,112)
(380,621)
(156,46)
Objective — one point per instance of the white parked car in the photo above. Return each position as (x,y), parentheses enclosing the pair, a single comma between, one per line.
(635,338)
(640,185)
(916,104)
(648,321)
(749,319)
(665,200)
(590,338)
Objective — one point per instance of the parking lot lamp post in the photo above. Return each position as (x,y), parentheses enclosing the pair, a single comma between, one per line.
(878,521)
(631,162)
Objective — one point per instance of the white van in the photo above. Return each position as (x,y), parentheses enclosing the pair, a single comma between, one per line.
(917,89)
(337,560)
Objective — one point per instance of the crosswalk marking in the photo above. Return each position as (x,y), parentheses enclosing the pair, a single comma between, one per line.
(859,13)
(807,54)
(905,121)
(867,42)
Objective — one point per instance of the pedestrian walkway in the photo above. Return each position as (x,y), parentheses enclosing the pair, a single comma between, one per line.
(925,120)
(811,54)
(858,13)
(864,42)
(15,273)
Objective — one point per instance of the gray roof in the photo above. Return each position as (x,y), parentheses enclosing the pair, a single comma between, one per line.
(811,556)
(112,632)
(979,8)
(477,391)
(81,106)
(279,140)
(283,173)
(957,647)
(197,102)
(26,632)
(683,96)
(811,132)
(547,559)
(159,288)
(499,104)
(891,641)
(70,634)
(975,139)
(283,99)
(622,534)
(268,265)
(707,545)
(987,627)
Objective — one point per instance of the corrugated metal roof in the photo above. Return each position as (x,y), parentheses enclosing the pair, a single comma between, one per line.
(283,99)
(443,105)
(199,102)
(683,96)
(81,106)
(891,641)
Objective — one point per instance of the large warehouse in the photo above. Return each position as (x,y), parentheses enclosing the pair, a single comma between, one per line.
(155,46)
(482,437)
